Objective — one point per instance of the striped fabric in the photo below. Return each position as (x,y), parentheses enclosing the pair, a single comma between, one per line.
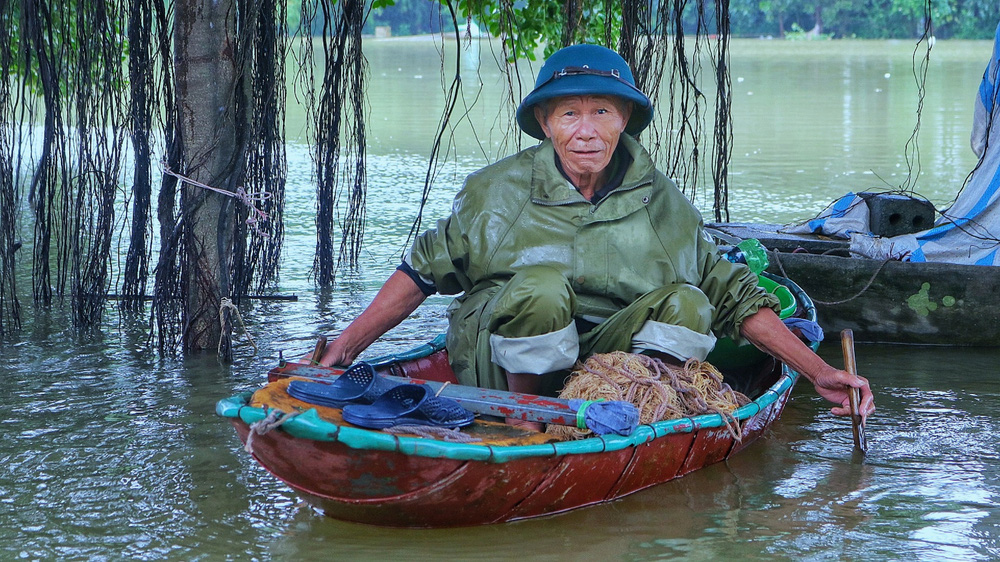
(968,232)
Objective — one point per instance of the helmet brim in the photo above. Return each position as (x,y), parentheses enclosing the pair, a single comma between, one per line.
(585,85)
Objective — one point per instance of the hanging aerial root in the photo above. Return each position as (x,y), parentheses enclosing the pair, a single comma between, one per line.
(659,391)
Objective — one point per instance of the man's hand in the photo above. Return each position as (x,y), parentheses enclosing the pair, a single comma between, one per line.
(833,384)
(336,355)
(766,331)
(397,298)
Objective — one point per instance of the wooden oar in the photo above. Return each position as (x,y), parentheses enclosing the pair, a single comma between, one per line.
(318,351)
(499,403)
(850,365)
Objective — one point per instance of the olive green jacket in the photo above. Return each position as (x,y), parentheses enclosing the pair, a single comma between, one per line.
(643,235)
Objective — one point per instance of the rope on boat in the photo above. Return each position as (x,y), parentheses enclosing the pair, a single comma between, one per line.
(781,268)
(660,391)
(432,432)
(273,420)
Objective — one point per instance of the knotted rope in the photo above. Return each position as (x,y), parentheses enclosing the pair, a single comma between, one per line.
(227,303)
(658,390)
(273,420)
(241,195)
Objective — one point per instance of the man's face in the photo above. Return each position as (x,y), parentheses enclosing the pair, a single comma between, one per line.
(584,130)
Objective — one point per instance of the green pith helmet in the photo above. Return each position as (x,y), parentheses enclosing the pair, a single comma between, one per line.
(581,70)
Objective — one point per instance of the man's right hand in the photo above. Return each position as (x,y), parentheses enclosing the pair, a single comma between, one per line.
(335,355)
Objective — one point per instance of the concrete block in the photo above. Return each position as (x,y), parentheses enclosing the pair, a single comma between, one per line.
(893,214)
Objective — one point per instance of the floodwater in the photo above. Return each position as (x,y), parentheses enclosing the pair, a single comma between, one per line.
(109,452)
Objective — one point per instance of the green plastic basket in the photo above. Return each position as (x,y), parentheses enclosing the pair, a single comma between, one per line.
(785,296)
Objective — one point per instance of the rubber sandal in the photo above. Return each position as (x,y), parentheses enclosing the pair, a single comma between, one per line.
(408,404)
(358,385)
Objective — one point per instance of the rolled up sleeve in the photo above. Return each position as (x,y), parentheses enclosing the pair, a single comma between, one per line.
(733,289)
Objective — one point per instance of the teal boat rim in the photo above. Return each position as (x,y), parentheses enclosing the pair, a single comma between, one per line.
(308,424)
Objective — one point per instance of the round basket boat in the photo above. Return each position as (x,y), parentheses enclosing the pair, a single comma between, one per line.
(508,474)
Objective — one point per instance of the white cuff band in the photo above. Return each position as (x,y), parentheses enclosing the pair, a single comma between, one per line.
(678,341)
(537,355)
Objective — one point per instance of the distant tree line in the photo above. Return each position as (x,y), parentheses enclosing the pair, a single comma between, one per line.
(792,19)
(865,19)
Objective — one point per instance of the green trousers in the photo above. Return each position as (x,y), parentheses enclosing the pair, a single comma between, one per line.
(530,325)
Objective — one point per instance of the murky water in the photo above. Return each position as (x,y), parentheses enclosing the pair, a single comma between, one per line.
(109,452)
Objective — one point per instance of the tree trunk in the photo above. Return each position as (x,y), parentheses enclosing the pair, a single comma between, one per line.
(205,77)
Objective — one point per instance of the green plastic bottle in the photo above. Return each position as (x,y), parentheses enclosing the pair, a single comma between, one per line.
(752,253)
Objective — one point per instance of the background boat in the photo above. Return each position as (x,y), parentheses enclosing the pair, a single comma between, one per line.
(884,301)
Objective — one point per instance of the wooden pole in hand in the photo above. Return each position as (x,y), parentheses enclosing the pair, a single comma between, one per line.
(317,353)
(850,365)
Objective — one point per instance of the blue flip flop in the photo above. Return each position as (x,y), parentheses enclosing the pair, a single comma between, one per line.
(409,404)
(358,385)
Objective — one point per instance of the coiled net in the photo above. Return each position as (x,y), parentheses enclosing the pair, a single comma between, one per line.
(660,391)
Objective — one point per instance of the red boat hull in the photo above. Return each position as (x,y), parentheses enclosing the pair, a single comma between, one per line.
(509,474)
(390,488)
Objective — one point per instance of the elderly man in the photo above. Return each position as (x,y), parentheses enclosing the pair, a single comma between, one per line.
(577,246)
